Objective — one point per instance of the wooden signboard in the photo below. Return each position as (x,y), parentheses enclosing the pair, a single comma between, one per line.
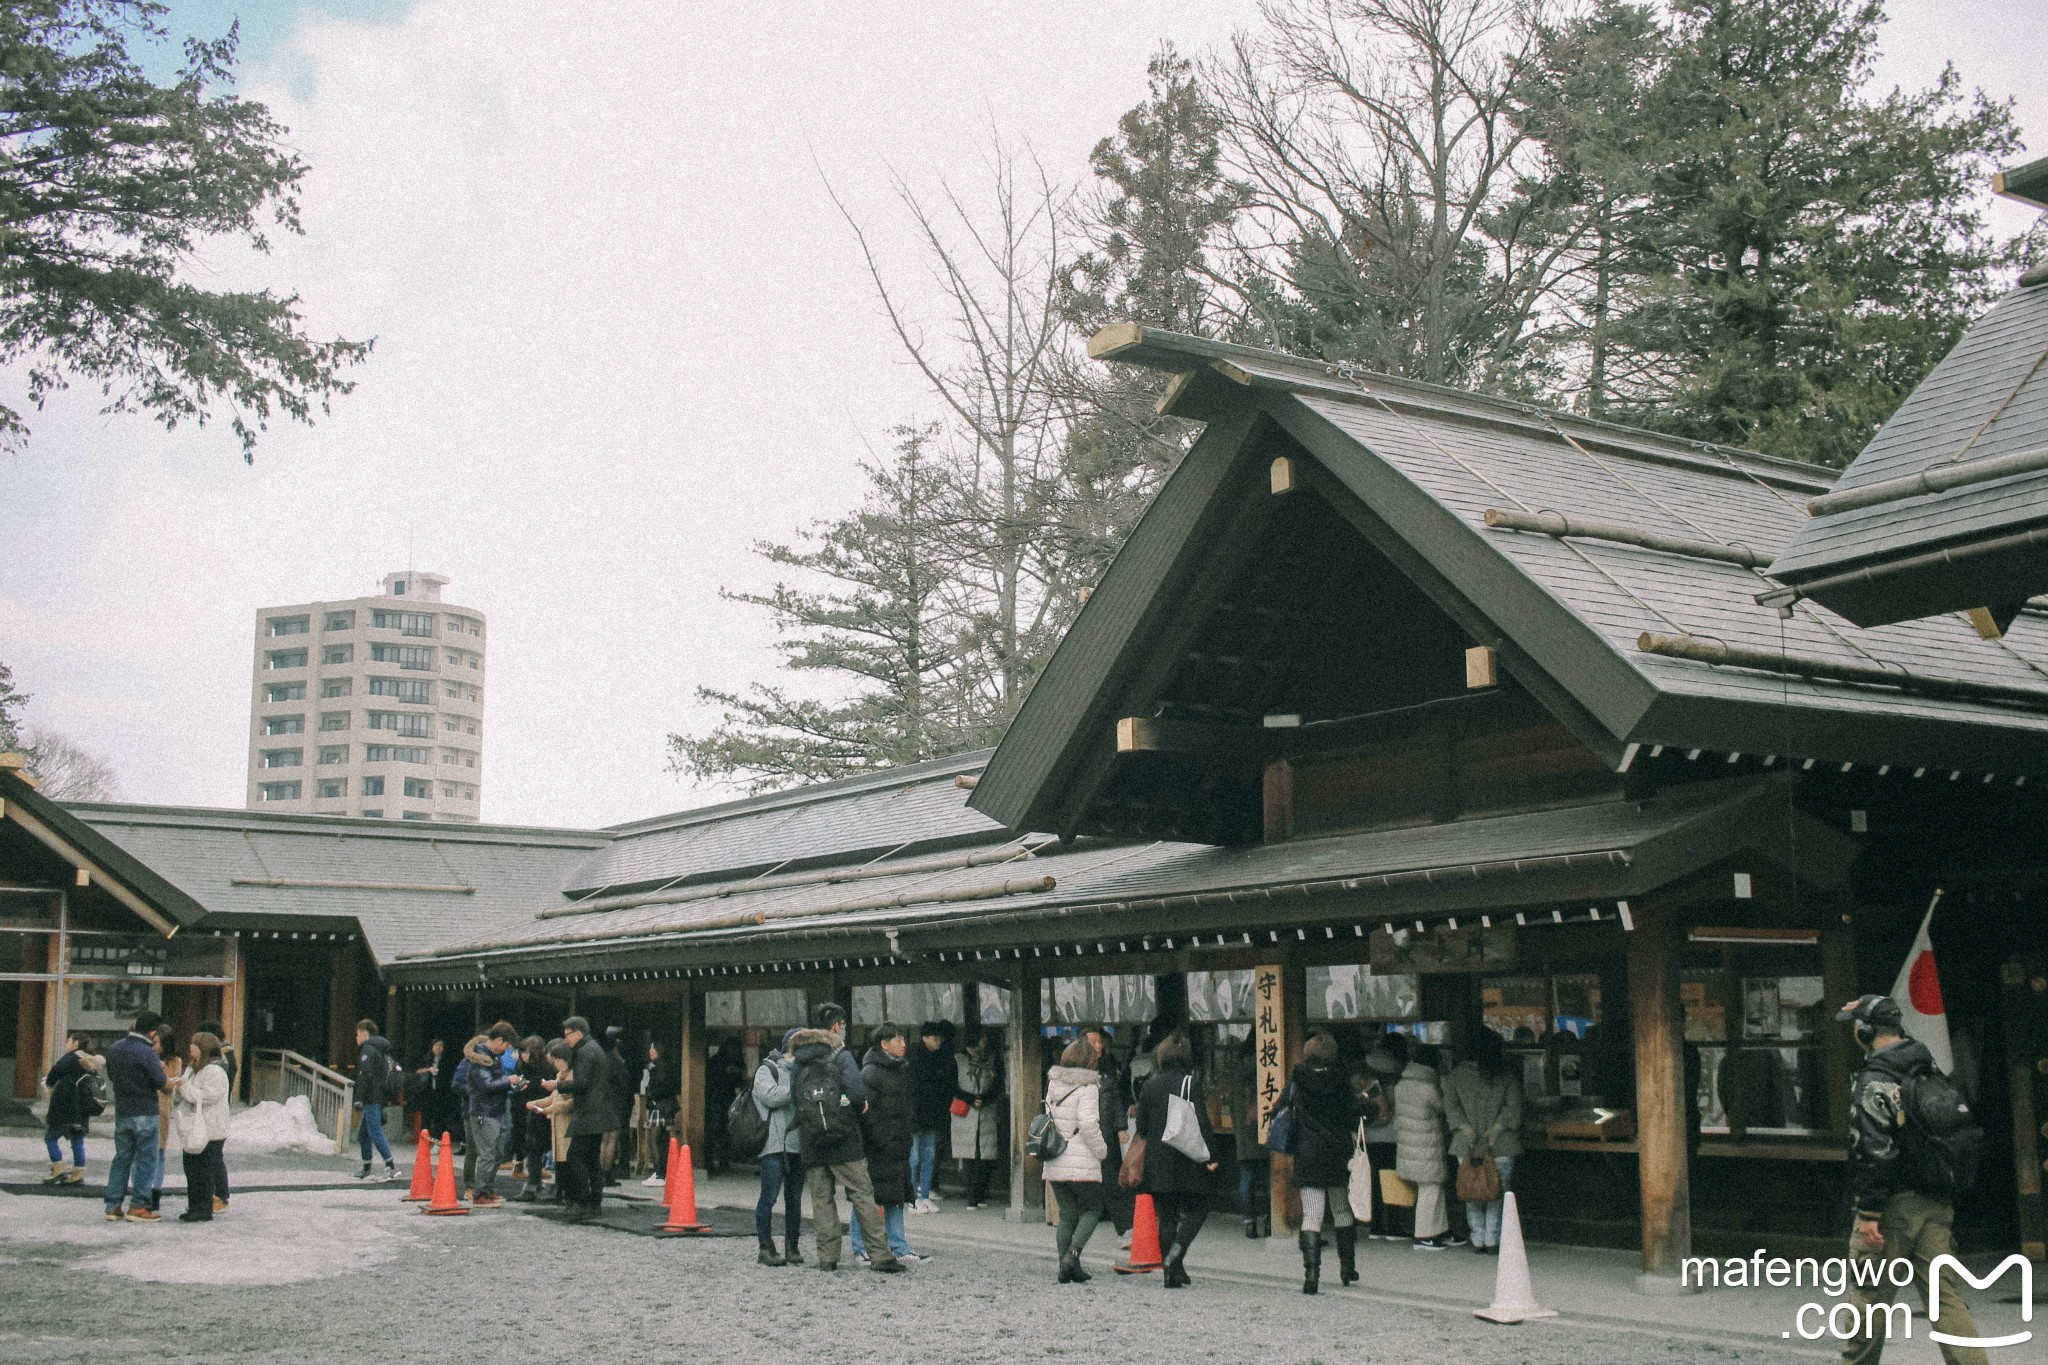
(1442,949)
(1269,1024)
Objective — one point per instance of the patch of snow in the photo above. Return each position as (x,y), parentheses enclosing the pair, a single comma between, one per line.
(274,1127)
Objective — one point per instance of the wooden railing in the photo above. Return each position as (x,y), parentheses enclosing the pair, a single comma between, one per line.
(279,1073)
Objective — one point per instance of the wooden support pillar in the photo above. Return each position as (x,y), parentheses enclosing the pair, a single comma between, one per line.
(1025,1083)
(341,1010)
(690,1053)
(1278,797)
(1838,980)
(1653,949)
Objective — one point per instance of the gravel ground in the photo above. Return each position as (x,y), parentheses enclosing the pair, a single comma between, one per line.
(338,1275)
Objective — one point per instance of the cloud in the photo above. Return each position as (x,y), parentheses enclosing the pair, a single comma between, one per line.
(620,336)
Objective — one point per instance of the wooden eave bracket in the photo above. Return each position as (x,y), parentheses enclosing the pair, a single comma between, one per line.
(1155,735)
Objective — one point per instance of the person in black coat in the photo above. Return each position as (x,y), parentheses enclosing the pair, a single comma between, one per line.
(662,1084)
(1114,1105)
(592,1083)
(886,1131)
(931,1101)
(1178,1184)
(1327,1110)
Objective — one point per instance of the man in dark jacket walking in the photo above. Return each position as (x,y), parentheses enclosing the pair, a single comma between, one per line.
(830,1099)
(1898,1213)
(886,1131)
(136,1074)
(374,1084)
(590,1083)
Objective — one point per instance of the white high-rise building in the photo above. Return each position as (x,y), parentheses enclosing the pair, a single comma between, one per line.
(370,707)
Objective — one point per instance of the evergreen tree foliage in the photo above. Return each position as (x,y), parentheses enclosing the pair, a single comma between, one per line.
(109,183)
(1791,251)
(890,620)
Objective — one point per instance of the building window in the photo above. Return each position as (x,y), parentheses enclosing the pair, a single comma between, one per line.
(415,726)
(418,815)
(280,791)
(341,620)
(469,793)
(396,753)
(419,787)
(334,720)
(285,692)
(405,656)
(475,695)
(284,725)
(403,689)
(283,758)
(336,687)
(373,815)
(450,723)
(469,760)
(285,658)
(338,654)
(448,791)
(373,786)
(333,786)
(290,625)
(334,753)
(404,622)
(398,587)
(470,728)
(476,661)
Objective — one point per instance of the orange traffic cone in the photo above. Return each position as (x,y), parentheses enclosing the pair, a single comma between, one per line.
(422,1189)
(445,1201)
(1144,1240)
(682,1185)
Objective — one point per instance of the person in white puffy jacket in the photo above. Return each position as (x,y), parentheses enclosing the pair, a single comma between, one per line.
(1073,1096)
(199,1110)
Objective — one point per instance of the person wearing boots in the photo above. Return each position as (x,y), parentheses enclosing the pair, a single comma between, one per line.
(978,1115)
(1115,1104)
(72,1105)
(1326,1114)
(1073,1097)
(1903,1196)
(782,1162)
(1178,1184)
(830,1099)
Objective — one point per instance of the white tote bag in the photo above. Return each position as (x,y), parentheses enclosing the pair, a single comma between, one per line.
(1183,1131)
(192,1126)
(1359,1186)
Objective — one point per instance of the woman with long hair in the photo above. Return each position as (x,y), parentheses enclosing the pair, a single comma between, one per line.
(199,1102)
(1177,1182)
(532,1127)
(1326,1114)
(174,1066)
(1073,1097)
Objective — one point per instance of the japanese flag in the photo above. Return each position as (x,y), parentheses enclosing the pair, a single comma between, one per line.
(1918,992)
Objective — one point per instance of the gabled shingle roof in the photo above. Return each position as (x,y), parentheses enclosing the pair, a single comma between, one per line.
(1988,398)
(1424,465)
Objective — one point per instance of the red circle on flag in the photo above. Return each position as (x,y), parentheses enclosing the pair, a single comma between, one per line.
(1923,986)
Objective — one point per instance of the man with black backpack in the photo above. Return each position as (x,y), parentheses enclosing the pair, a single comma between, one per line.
(830,1098)
(1913,1147)
(376,1086)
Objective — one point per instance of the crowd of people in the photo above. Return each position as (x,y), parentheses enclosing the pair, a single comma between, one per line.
(159,1094)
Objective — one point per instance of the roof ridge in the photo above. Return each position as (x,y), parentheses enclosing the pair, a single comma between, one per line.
(259,821)
(1161,349)
(813,794)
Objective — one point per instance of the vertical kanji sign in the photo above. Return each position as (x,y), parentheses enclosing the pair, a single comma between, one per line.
(1269,1015)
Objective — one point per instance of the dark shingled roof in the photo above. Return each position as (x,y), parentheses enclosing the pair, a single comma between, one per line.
(1987,398)
(1424,464)
(1602,850)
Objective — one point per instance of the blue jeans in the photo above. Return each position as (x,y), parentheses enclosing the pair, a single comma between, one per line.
(53,1141)
(1485,1218)
(373,1131)
(136,1154)
(892,1224)
(924,1156)
(782,1176)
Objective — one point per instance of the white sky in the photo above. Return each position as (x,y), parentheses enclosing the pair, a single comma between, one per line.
(620,336)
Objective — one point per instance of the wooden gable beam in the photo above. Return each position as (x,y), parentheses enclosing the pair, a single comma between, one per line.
(87,867)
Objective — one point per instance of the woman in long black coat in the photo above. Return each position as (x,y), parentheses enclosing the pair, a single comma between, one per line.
(1326,1110)
(886,1131)
(1178,1184)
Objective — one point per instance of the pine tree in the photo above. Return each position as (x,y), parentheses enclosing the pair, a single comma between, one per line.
(890,621)
(1803,250)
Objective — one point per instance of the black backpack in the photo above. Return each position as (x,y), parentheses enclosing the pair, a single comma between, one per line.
(824,1113)
(1044,1139)
(1940,1136)
(88,1092)
(746,1132)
